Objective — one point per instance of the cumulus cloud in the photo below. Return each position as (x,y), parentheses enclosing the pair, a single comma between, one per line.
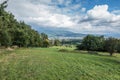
(101,20)
(64,14)
(40,13)
(101,13)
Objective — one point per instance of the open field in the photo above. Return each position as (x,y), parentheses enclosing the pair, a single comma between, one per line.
(50,64)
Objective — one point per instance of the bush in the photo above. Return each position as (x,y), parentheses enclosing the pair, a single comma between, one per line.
(63,50)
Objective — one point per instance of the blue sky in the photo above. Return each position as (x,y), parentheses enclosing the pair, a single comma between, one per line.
(82,16)
(113,4)
(89,4)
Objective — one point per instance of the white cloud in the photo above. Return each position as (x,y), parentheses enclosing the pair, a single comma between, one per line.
(101,20)
(55,20)
(45,13)
(83,9)
(117,12)
(61,1)
(99,12)
(40,14)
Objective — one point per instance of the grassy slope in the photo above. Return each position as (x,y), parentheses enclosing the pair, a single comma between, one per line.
(49,64)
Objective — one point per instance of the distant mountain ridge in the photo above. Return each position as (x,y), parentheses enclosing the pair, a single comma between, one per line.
(58,32)
(63,33)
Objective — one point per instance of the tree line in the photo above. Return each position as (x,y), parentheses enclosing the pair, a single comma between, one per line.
(99,43)
(13,32)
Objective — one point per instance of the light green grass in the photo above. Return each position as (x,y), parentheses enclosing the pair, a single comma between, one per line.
(50,64)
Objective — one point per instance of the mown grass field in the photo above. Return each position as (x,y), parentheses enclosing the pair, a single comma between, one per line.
(50,64)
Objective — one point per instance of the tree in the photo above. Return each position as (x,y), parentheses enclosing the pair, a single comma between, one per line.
(91,42)
(46,43)
(2,7)
(44,36)
(118,46)
(56,42)
(5,38)
(17,33)
(111,45)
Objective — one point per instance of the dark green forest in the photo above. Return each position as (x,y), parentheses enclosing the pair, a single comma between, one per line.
(13,32)
(99,43)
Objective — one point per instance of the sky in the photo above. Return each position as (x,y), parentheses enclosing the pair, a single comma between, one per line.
(81,16)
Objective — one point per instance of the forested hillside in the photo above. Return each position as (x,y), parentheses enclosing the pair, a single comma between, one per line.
(13,32)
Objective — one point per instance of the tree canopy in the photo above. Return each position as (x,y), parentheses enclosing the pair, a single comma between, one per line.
(13,32)
(99,43)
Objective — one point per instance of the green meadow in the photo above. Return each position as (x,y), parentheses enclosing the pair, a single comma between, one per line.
(53,64)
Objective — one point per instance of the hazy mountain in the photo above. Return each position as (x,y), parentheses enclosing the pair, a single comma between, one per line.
(58,32)
(53,32)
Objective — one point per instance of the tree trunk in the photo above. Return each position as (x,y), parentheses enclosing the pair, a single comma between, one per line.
(111,54)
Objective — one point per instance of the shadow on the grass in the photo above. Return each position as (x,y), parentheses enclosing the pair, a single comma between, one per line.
(114,61)
(104,57)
